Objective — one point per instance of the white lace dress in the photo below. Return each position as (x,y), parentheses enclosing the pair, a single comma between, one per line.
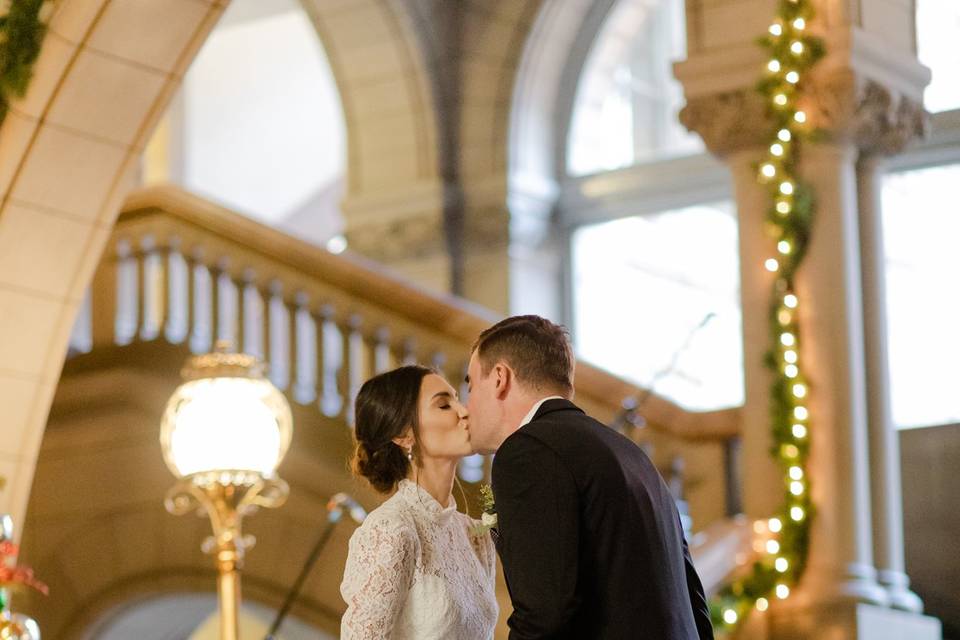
(416,571)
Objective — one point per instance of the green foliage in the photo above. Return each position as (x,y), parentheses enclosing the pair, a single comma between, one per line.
(21,34)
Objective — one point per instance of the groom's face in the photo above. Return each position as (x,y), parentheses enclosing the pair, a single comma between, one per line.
(483,406)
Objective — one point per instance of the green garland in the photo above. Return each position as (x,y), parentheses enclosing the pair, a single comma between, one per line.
(22,27)
(785,538)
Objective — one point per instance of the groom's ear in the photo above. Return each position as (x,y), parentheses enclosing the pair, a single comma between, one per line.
(503,380)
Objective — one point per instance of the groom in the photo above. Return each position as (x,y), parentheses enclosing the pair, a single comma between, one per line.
(588,534)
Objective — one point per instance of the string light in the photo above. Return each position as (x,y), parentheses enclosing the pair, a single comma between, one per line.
(790,56)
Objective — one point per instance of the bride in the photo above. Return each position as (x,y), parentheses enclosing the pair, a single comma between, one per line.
(416,568)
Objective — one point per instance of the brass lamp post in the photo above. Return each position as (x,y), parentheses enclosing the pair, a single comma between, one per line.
(224,432)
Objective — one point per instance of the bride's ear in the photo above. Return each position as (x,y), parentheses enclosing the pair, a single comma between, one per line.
(405,439)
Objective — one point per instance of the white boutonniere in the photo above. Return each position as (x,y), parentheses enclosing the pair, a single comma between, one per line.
(488,518)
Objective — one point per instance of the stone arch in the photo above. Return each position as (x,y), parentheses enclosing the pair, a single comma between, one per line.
(69,148)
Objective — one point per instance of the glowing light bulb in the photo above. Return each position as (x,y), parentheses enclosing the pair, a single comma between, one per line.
(775,525)
(776,29)
(796,47)
(776,149)
(771,264)
(774,65)
(796,514)
(791,371)
(790,451)
(796,488)
(730,616)
(783,207)
(780,99)
(800,413)
(783,247)
(784,135)
(781,565)
(799,390)
(799,24)
(768,170)
(796,473)
(773,547)
(783,591)
(787,339)
(792,77)
(762,604)
(786,188)
(790,356)
(784,317)
(800,117)
(790,300)
(760,527)
(799,431)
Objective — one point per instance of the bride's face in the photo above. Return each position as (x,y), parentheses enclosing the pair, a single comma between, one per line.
(443,420)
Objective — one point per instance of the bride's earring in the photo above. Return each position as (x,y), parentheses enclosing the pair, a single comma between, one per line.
(410,454)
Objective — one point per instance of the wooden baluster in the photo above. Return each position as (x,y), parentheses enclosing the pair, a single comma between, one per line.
(294,344)
(247,314)
(380,351)
(163,291)
(327,367)
(173,330)
(140,314)
(215,273)
(409,352)
(305,387)
(279,355)
(732,478)
(195,330)
(266,298)
(351,367)
(105,297)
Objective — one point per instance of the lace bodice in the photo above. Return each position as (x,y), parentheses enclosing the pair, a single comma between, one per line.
(416,570)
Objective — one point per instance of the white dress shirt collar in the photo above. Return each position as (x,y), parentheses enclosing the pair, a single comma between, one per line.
(536,408)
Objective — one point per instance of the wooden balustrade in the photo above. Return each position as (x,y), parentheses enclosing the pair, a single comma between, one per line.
(181,269)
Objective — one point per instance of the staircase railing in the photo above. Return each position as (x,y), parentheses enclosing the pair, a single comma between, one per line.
(181,269)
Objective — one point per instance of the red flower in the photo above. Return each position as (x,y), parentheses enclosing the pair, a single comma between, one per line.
(13,576)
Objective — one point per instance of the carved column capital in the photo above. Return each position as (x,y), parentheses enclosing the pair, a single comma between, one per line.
(729,121)
(850,107)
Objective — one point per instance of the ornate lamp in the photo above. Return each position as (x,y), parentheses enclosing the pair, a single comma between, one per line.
(14,626)
(224,432)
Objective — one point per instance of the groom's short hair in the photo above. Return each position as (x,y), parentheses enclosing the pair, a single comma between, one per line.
(537,350)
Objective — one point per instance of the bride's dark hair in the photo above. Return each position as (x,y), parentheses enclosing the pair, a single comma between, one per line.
(386,406)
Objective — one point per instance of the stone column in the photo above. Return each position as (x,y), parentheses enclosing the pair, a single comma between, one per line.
(840,595)
(902,119)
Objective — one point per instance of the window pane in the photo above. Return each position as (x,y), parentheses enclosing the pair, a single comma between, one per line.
(921,234)
(656,300)
(627,98)
(938,25)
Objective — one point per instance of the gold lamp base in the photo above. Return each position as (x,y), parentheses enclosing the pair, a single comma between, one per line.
(226,497)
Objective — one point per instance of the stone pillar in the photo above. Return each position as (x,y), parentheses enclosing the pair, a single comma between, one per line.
(887,497)
(840,595)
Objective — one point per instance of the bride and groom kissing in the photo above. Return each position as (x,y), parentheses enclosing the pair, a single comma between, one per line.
(587,532)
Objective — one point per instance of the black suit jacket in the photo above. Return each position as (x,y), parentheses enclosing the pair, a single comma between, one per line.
(590,537)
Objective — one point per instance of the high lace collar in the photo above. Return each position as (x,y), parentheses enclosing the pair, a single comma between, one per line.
(421,500)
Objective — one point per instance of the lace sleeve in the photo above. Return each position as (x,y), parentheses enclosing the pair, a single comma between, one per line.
(377,578)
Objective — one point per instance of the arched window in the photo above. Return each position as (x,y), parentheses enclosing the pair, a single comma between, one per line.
(653,259)
(627,98)
(258,124)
